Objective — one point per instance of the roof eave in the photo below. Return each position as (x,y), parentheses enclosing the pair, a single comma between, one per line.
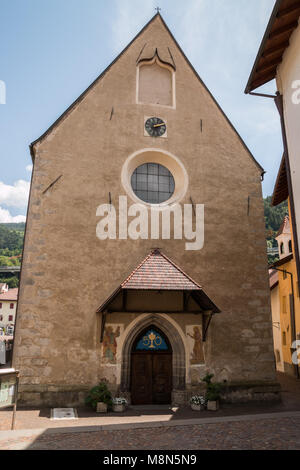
(248,88)
(282,261)
(212,307)
(280,192)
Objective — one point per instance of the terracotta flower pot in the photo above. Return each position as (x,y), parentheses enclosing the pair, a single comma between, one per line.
(197,407)
(213,405)
(101,407)
(119,408)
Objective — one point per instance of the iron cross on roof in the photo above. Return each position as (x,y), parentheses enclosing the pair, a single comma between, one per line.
(158,9)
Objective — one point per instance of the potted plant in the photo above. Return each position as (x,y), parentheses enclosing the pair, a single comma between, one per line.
(99,398)
(198,403)
(119,404)
(212,395)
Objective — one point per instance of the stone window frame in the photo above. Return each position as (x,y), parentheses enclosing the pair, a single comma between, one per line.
(164,158)
(156,59)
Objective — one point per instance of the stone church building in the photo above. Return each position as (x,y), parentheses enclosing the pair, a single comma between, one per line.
(151,315)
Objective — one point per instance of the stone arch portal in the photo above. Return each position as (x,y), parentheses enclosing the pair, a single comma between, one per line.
(177,345)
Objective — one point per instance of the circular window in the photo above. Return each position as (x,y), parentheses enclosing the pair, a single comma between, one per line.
(155,178)
(153,183)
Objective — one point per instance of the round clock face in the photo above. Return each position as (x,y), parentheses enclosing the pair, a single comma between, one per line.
(155,127)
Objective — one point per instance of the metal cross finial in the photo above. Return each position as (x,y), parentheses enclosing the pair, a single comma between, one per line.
(158,9)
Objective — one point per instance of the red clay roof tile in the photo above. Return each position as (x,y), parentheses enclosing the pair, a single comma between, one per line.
(158,272)
(12,295)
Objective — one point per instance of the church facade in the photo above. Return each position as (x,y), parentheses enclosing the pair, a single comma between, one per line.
(111,288)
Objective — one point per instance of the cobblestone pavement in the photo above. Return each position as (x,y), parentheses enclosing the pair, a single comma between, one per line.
(278,433)
(232,427)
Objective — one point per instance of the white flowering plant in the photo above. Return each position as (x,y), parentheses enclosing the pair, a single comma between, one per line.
(119,401)
(198,400)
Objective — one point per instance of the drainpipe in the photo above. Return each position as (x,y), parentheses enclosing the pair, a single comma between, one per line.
(293,319)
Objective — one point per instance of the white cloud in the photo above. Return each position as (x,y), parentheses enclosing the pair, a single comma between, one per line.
(7,218)
(16,195)
(29,168)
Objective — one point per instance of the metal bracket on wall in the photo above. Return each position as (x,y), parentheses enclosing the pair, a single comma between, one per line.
(193,206)
(52,184)
(141,52)
(172,58)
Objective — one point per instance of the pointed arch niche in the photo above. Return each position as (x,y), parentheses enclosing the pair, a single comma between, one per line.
(155,82)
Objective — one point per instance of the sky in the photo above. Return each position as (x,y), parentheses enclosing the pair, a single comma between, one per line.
(51,50)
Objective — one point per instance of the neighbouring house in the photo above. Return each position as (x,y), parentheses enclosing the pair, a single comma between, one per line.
(284,238)
(286,294)
(148,311)
(3,288)
(279,58)
(8,307)
(6,347)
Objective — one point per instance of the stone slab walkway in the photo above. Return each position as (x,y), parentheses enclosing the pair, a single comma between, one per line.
(279,431)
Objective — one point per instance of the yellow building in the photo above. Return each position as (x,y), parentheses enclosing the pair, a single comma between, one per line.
(288,290)
(275,305)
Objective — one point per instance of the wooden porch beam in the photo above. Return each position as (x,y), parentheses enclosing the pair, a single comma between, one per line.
(186,298)
(103,322)
(124,299)
(152,312)
(206,319)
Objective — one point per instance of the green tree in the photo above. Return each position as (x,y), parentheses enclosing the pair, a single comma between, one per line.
(273,219)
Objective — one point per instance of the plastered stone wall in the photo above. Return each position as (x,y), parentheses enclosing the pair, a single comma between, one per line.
(68,273)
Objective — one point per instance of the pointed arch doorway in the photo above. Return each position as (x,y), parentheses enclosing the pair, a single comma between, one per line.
(151,368)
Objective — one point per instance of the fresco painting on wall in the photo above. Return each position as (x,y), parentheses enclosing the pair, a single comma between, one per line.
(194,337)
(109,352)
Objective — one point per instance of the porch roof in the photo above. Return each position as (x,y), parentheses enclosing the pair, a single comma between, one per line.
(158,273)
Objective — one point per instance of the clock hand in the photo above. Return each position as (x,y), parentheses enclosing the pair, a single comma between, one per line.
(158,125)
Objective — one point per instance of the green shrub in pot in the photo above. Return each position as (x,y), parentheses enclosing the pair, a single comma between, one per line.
(99,394)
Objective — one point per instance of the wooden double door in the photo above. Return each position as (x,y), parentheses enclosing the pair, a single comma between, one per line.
(151,378)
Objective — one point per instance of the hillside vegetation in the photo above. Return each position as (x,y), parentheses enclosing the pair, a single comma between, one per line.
(273,217)
(11,246)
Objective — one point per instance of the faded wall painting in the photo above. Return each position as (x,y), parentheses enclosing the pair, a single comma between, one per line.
(194,338)
(110,343)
